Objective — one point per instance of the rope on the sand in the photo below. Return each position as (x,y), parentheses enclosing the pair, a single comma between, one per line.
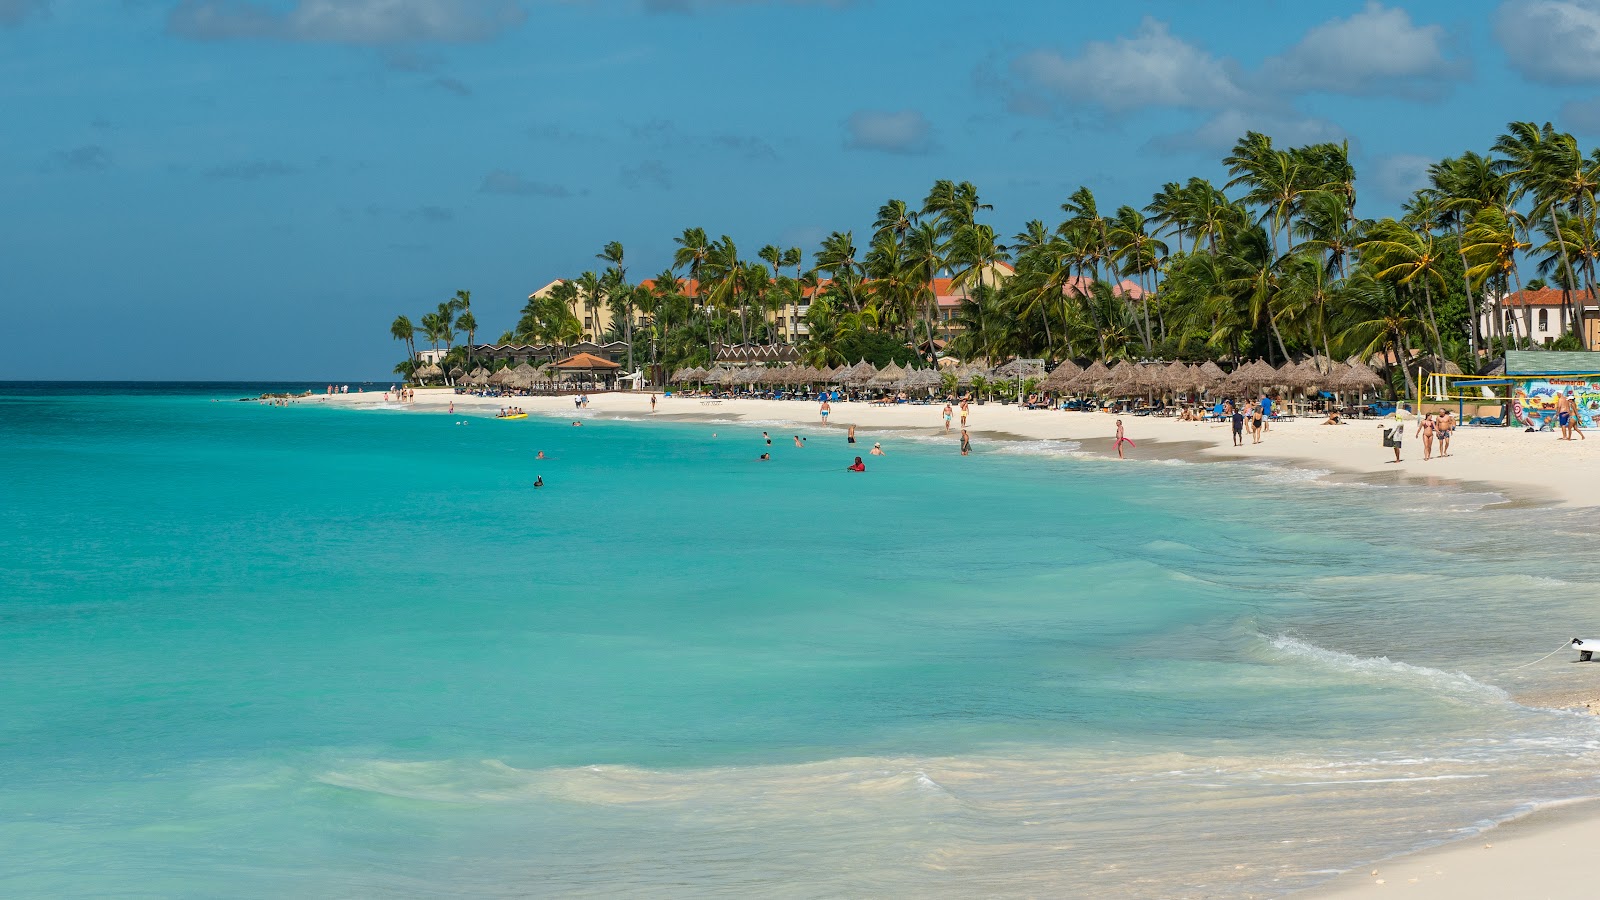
(1541,659)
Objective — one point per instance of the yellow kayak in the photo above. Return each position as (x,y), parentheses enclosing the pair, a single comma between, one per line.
(513,416)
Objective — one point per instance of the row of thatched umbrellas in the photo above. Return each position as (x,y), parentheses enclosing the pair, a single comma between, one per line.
(521,377)
(1182,378)
(1124,378)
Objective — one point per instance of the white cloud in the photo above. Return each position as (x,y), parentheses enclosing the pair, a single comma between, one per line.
(1152,68)
(1377,50)
(906,131)
(1554,41)
(1224,129)
(1398,177)
(347,21)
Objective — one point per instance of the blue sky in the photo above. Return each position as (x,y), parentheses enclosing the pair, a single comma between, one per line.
(237,189)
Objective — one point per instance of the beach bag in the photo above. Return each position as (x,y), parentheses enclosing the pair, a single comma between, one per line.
(1388,437)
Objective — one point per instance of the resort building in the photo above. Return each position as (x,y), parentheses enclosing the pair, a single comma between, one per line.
(1543,315)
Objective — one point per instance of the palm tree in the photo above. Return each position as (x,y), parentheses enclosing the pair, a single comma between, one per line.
(1530,156)
(402,330)
(591,289)
(1135,251)
(1492,246)
(927,251)
(467,323)
(612,253)
(838,258)
(1408,256)
(1377,318)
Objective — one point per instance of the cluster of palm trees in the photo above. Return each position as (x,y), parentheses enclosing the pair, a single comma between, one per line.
(1275,264)
(441,326)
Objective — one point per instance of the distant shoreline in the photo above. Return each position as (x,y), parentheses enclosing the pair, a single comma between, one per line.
(1524,469)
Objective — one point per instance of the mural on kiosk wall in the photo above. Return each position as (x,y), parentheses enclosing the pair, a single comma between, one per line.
(1537,397)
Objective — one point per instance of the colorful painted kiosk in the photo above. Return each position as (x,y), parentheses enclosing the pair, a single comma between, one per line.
(1525,392)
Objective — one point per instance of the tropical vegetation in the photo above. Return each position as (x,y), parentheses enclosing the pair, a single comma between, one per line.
(1275,263)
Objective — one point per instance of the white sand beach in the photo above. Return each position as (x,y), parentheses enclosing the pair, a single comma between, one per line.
(1539,855)
(1536,468)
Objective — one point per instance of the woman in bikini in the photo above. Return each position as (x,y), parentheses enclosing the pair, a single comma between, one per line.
(1426,430)
(1122,439)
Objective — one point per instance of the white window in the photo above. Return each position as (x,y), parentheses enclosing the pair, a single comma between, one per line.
(1544,320)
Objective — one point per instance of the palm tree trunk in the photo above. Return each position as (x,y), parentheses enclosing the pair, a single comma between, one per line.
(1466,285)
(1566,283)
(1438,343)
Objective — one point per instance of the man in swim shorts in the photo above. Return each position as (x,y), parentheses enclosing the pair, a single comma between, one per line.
(1238,427)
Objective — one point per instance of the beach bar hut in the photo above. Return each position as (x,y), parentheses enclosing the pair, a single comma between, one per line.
(587,367)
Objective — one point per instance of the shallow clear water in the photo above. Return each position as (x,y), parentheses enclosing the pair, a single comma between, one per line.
(257,651)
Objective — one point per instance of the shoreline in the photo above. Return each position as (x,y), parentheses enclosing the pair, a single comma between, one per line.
(1542,852)
(1546,472)
(1531,853)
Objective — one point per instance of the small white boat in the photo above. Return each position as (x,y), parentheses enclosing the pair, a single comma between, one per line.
(1586,647)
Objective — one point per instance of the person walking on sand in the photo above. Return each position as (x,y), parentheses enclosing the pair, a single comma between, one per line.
(964,411)
(652,401)
(1258,423)
(1443,427)
(948,412)
(1577,423)
(1392,436)
(1564,416)
(826,408)
(1425,430)
(1122,439)
(1237,418)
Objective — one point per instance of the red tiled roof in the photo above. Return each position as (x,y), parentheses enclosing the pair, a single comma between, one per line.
(1541,297)
(1078,285)
(688,286)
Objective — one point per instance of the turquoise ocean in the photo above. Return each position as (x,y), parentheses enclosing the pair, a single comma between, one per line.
(253,651)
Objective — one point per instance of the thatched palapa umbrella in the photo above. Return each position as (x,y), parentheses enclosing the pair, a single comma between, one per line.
(1091,380)
(861,373)
(921,380)
(1061,377)
(1360,377)
(887,377)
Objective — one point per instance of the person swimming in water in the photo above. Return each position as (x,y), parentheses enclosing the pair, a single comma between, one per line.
(858,465)
(966,442)
(541,455)
(877,450)
(850,438)
(799,441)
(577,424)
(765,457)
(538,481)
(766,437)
